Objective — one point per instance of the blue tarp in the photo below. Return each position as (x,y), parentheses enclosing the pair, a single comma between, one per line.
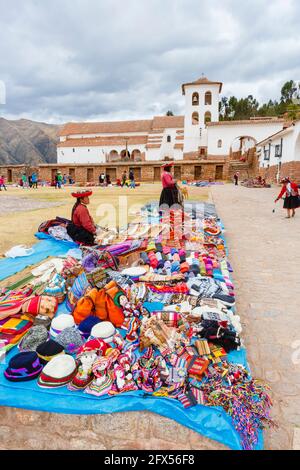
(47,247)
(211,422)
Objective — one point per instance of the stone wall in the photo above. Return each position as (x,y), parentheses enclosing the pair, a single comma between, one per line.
(34,430)
(144,171)
(291,169)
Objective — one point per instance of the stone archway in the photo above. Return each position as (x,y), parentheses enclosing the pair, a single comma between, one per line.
(113,156)
(243,148)
(125,155)
(136,155)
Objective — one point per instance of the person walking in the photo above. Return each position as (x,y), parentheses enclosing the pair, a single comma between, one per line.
(2,183)
(34,180)
(132,180)
(291,200)
(24,181)
(236,178)
(124,179)
(58,180)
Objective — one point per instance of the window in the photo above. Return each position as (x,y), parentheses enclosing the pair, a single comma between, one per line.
(278,151)
(220,143)
(207,98)
(73,150)
(266,154)
(207,117)
(195,99)
(169,138)
(195,119)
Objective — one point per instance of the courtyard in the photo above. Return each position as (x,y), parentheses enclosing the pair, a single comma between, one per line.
(264,253)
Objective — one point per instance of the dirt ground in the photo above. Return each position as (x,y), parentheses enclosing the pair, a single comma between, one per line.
(22,211)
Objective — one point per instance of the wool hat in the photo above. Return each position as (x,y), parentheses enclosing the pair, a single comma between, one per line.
(82,193)
(70,339)
(48,350)
(60,323)
(35,336)
(23,367)
(167,164)
(104,330)
(93,345)
(85,327)
(58,372)
(42,320)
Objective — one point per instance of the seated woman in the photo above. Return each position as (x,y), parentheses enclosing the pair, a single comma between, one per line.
(82,228)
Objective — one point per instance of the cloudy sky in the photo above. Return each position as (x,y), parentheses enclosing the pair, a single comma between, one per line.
(64,60)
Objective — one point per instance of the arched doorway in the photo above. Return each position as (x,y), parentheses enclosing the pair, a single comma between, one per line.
(125,154)
(243,148)
(136,155)
(113,156)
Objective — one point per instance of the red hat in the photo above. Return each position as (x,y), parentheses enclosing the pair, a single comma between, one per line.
(96,345)
(82,193)
(165,165)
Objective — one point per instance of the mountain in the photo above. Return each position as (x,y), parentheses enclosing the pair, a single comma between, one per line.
(28,142)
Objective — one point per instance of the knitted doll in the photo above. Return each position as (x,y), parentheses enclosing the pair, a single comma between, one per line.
(103,381)
(123,379)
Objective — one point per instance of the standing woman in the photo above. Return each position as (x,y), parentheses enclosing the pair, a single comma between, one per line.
(82,228)
(170,194)
(291,200)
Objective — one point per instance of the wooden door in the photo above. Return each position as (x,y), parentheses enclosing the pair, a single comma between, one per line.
(219,172)
(157,173)
(177,172)
(112,172)
(198,172)
(72,173)
(90,175)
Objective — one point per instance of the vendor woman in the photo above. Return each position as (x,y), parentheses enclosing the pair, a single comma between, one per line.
(170,194)
(291,200)
(82,228)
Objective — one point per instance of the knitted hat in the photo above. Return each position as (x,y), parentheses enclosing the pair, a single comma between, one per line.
(58,372)
(48,350)
(42,320)
(35,336)
(70,339)
(23,367)
(97,345)
(60,323)
(167,164)
(82,193)
(85,327)
(104,330)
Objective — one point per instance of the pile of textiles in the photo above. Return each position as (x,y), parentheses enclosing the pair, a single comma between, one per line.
(255,183)
(165,326)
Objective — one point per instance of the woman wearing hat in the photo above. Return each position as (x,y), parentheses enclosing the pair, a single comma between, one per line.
(82,229)
(291,201)
(170,193)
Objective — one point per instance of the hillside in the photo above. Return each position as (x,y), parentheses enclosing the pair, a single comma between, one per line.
(26,141)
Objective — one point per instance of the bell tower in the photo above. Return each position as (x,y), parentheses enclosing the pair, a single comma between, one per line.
(201,107)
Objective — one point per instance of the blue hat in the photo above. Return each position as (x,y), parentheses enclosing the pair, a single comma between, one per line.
(49,349)
(85,327)
(23,367)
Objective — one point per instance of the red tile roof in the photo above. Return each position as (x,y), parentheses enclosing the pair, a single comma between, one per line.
(202,81)
(117,127)
(154,125)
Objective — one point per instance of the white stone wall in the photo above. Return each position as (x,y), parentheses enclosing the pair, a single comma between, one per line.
(91,154)
(229,132)
(290,147)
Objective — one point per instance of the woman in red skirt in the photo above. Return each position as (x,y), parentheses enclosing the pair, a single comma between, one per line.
(291,200)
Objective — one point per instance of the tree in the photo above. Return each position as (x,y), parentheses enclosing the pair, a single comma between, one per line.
(288,91)
(169,113)
(293,111)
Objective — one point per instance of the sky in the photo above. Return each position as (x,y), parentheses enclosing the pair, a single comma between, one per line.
(89,60)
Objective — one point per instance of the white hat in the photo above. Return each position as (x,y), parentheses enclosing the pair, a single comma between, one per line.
(60,323)
(58,372)
(104,330)
(134,271)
